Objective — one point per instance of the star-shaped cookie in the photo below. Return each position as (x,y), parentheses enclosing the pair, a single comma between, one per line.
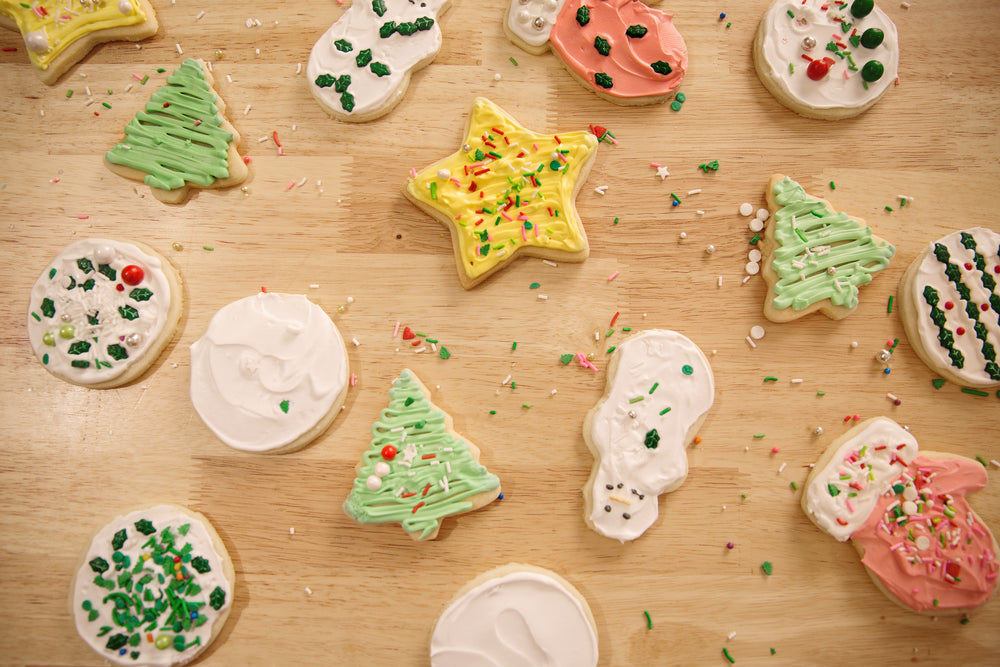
(507,191)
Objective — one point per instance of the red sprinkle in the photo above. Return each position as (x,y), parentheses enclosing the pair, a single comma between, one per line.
(948,305)
(426,489)
(274,135)
(960,331)
(841,521)
(614,318)
(558,140)
(166,104)
(418,506)
(10,48)
(429,456)
(263,289)
(408,495)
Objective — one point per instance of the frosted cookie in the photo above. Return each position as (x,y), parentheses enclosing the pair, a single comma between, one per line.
(102,312)
(417,469)
(623,50)
(360,68)
(950,304)
(815,258)
(270,373)
(58,33)
(907,515)
(153,588)
(658,393)
(516,615)
(825,59)
(528,23)
(181,140)
(507,191)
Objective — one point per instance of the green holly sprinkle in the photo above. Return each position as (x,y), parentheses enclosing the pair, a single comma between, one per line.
(661,67)
(140,294)
(48,308)
(378,6)
(387,29)
(85,265)
(79,347)
(107,271)
(115,642)
(201,565)
(380,69)
(117,352)
(324,80)
(88,284)
(583,15)
(343,46)
(364,57)
(217,598)
(602,45)
(424,23)
(636,31)
(342,83)
(98,565)
(652,440)
(145,527)
(128,312)
(347,101)
(767,567)
(284,406)
(603,80)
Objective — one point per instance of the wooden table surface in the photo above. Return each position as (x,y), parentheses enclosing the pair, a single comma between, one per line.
(72,458)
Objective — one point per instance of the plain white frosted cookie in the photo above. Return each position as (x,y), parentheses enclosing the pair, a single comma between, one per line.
(516,615)
(270,373)
(154,587)
(102,311)
(824,59)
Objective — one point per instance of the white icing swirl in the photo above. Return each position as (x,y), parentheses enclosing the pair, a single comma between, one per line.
(359,26)
(932,272)
(841,88)
(620,425)
(521,619)
(532,20)
(161,516)
(842,494)
(269,367)
(78,306)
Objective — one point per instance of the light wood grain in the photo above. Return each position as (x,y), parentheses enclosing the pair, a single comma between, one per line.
(74,457)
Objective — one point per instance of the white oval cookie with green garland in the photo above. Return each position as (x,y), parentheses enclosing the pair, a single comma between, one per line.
(154,587)
(950,305)
(102,311)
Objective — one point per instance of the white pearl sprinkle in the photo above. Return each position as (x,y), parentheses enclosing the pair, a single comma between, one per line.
(746,209)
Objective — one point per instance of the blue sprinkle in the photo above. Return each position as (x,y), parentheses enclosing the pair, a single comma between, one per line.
(675,202)
(722,16)
(194,615)
(122,651)
(887,371)
(500,497)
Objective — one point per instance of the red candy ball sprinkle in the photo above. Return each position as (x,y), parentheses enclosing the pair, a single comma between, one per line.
(948,305)
(960,331)
(132,275)
(120,287)
(819,68)
(388,452)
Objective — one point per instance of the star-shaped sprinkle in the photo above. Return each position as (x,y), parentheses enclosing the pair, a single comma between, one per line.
(662,172)
(507,190)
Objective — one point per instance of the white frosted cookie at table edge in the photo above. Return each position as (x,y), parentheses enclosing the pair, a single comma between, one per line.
(361,67)
(516,615)
(950,306)
(794,63)
(270,373)
(527,23)
(659,390)
(102,312)
(153,587)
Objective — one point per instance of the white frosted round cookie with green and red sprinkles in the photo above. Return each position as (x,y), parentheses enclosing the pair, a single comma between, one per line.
(102,311)
(154,587)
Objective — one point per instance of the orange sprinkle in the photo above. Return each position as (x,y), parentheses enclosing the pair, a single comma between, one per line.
(149,636)
(697,439)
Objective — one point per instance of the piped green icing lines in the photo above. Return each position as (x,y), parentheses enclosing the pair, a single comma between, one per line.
(821,254)
(178,137)
(415,471)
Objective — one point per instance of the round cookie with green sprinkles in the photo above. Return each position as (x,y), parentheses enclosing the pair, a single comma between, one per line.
(154,587)
(102,312)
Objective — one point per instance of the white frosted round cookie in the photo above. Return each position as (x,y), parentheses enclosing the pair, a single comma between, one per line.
(516,615)
(154,587)
(270,373)
(950,304)
(826,60)
(528,23)
(102,311)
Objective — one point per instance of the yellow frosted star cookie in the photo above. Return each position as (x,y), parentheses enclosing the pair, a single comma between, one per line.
(507,191)
(58,33)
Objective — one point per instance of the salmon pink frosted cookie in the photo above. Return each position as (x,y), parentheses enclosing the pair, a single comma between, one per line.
(58,33)
(417,470)
(516,615)
(102,311)
(659,390)
(270,374)
(361,67)
(907,515)
(950,304)
(815,258)
(154,587)
(825,59)
(181,139)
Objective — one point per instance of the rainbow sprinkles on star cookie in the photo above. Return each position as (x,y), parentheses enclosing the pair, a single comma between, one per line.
(507,191)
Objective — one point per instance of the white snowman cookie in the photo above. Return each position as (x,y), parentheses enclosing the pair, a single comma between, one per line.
(659,390)
(528,23)
(270,373)
(360,68)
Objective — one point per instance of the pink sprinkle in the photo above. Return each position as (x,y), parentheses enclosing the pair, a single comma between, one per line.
(536,231)
(82,217)
(612,276)
(413,172)
(535,146)
(775,450)
(354,379)
(850,506)
(504,214)
(562,158)
(522,217)
(896,546)
(657,165)
(395,332)
(524,234)
(456,181)
(136,76)
(290,185)
(991,576)
(477,250)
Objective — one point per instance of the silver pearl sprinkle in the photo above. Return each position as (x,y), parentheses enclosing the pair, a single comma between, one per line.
(466,147)
(631,413)
(132,340)
(710,249)
(65,317)
(539,23)
(885,356)
(818,430)
(808,42)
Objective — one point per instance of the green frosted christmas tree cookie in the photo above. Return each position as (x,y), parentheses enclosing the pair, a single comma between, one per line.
(417,469)
(815,258)
(181,139)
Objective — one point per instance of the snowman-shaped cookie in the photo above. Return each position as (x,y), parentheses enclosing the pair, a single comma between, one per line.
(360,68)
(906,513)
(658,393)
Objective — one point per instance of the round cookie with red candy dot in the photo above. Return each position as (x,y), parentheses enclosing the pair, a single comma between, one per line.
(102,311)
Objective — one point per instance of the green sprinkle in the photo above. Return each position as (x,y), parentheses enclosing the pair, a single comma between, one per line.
(493,412)
(105,105)
(889,308)
(790,13)
(635,400)
(649,621)
(773,651)
(208,248)
(284,406)
(687,370)
(512,61)
(525,406)
(675,198)
(566,358)
(902,203)
(513,346)
(755,239)
(964,621)
(653,388)
(938,383)
(160,70)
(791,68)
(795,487)
(974,392)
(767,567)
(616,221)
(801,236)
(664,411)
(832,490)
(889,209)
(444,352)
(626,328)
(611,349)
(833,186)
(675,105)
(434,190)
(534,285)
(513,385)
(610,333)
(69,93)
(770,379)
(759,436)
(145,78)
(725,651)
(982,461)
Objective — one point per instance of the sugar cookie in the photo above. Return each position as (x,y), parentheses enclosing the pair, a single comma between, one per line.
(103,311)
(906,513)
